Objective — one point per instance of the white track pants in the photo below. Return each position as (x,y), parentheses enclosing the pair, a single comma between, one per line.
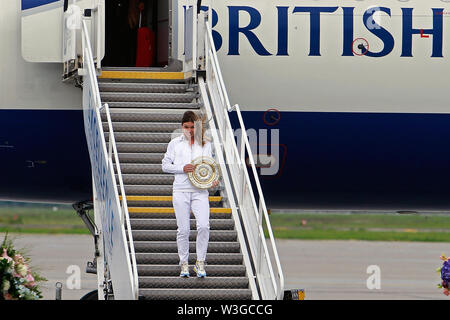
(183,202)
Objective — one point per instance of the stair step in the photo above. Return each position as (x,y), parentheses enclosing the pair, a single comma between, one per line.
(173,258)
(165,198)
(158,190)
(164,235)
(129,147)
(148,97)
(161,270)
(149,189)
(141,87)
(165,204)
(195,294)
(162,127)
(141,158)
(129,168)
(132,74)
(171,215)
(154,105)
(171,247)
(141,137)
(171,210)
(164,201)
(154,110)
(143,116)
(194,282)
(140,179)
(171,224)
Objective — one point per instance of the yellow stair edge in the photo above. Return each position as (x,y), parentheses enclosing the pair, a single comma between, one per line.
(142,75)
(163,198)
(171,210)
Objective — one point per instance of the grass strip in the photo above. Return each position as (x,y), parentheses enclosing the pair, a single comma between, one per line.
(332,234)
(44,230)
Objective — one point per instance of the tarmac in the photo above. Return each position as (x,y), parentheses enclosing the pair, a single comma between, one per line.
(326,270)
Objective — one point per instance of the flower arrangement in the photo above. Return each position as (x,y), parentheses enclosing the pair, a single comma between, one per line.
(17,281)
(445,275)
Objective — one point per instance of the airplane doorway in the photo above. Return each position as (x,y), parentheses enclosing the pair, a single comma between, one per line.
(126,45)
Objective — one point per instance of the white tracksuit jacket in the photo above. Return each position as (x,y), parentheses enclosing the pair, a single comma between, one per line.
(180,153)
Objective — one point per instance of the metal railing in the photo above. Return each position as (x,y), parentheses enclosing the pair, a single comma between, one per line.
(122,207)
(125,214)
(190,39)
(268,270)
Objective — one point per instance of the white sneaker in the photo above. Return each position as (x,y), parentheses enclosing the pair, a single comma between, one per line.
(184,270)
(200,269)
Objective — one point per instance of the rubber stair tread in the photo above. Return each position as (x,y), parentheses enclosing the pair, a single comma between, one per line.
(153,190)
(169,258)
(171,215)
(171,247)
(148,97)
(141,158)
(194,282)
(171,224)
(139,168)
(157,190)
(143,117)
(165,204)
(152,179)
(195,294)
(140,137)
(136,175)
(148,189)
(144,111)
(138,147)
(141,87)
(171,270)
(148,175)
(164,198)
(132,95)
(170,209)
(138,79)
(154,105)
(162,127)
(171,235)
(165,201)
(144,144)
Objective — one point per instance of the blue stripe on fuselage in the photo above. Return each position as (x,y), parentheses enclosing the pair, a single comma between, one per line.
(359,160)
(44,156)
(328,160)
(28,4)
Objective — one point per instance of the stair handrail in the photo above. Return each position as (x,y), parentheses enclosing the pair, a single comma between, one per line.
(123,198)
(91,72)
(274,287)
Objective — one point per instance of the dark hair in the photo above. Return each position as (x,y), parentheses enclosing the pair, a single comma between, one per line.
(189,116)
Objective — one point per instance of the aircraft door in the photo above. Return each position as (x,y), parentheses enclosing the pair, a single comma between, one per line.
(47,25)
(190,36)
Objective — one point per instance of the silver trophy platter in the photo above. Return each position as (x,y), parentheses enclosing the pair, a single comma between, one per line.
(206,172)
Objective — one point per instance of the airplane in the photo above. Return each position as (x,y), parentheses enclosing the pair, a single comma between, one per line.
(343,102)
(356,91)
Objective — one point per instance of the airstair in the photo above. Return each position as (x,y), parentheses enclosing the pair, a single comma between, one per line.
(129,123)
(145,117)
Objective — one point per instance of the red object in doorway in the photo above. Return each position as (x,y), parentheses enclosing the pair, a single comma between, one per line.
(145,50)
(145,47)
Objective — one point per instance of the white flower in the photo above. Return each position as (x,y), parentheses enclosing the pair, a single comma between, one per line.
(6,285)
(22,270)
